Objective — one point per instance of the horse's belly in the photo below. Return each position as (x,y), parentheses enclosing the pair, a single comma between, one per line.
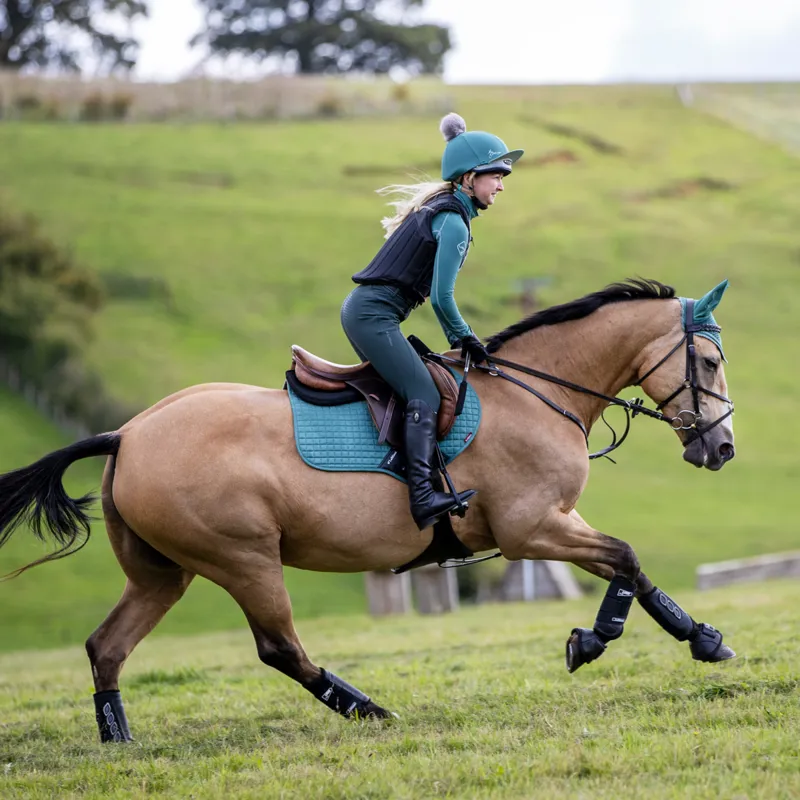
(217,476)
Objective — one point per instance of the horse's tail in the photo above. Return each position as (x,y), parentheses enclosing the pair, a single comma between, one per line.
(35,496)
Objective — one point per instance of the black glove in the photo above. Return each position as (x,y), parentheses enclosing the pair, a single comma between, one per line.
(473,346)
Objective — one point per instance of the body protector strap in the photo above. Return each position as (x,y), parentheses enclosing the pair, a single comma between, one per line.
(407,257)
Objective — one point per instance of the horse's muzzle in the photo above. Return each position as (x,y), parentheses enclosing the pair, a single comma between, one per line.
(709,451)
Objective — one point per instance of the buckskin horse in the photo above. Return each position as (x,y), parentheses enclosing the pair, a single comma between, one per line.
(208,482)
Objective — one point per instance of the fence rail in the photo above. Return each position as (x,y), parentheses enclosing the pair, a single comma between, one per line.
(769,111)
(276,97)
(39,399)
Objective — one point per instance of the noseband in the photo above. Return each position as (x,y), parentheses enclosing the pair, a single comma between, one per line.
(684,420)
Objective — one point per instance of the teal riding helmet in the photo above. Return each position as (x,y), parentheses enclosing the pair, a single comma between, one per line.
(473,151)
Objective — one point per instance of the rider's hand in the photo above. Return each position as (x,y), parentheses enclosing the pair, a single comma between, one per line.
(473,346)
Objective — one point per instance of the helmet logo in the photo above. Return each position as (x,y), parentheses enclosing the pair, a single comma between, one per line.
(495,153)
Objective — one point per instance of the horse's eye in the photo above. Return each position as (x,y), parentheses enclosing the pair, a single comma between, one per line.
(711,364)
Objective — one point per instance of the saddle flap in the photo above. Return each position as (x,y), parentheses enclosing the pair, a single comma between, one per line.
(448,389)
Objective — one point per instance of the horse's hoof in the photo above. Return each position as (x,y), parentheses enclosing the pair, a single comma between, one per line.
(706,645)
(583,646)
(373,711)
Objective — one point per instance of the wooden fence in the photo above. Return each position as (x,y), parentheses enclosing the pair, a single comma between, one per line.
(759,568)
(40,400)
(436,590)
(769,111)
(276,97)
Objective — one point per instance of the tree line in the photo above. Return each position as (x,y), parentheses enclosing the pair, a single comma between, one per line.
(47,305)
(303,36)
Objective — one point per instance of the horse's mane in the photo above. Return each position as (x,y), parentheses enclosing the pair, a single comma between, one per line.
(630,289)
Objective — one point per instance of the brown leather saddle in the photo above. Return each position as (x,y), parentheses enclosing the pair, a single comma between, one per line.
(325,383)
(385,408)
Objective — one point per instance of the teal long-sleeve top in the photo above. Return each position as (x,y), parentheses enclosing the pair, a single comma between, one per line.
(452,235)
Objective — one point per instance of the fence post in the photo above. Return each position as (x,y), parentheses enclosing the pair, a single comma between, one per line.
(535,580)
(435,589)
(388,593)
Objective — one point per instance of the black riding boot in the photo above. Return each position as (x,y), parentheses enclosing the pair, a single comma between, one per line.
(427,505)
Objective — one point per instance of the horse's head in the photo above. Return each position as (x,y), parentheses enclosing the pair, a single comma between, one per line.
(688,383)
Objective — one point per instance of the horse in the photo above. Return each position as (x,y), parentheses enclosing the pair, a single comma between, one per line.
(208,482)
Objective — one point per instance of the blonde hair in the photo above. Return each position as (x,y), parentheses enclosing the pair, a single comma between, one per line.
(410,198)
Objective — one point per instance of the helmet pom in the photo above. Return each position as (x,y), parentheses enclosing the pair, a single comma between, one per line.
(452,125)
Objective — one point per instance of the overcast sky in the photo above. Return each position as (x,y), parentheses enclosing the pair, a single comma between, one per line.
(544,41)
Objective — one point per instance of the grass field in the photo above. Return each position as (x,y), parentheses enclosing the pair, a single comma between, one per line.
(247,235)
(486,708)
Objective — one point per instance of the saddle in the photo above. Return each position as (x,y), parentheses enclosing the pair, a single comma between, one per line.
(324,383)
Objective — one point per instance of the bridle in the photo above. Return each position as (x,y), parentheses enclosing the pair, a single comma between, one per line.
(690,381)
(684,420)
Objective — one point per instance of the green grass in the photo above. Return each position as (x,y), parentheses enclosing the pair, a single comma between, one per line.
(486,709)
(256,229)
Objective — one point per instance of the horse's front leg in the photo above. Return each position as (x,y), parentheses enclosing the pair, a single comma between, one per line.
(705,641)
(561,536)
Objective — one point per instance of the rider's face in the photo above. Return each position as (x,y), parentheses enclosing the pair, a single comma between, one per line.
(486,186)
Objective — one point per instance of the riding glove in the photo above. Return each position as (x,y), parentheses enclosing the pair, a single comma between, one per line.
(473,346)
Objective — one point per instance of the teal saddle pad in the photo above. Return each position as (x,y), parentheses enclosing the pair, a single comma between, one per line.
(345,439)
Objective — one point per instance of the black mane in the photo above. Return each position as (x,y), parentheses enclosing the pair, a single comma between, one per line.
(631,289)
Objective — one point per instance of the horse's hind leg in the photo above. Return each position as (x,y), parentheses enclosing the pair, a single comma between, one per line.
(705,641)
(263,597)
(154,585)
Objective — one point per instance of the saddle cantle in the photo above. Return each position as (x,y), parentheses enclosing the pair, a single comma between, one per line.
(385,407)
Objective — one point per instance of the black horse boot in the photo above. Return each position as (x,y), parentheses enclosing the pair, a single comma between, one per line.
(427,505)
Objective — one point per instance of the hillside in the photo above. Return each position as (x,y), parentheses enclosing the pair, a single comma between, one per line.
(486,708)
(221,245)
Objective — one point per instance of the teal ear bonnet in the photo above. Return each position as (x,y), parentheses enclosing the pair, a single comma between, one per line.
(703,315)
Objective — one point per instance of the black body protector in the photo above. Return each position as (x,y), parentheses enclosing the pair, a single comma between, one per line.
(406,259)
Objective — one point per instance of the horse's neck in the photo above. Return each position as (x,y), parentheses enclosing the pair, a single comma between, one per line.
(603,351)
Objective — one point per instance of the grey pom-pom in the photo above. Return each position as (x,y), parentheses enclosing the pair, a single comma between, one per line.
(452,125)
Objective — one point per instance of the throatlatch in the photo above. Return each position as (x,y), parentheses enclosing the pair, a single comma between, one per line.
(111,719)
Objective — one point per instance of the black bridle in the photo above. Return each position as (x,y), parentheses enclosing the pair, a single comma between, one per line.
(684,420)
(690,380)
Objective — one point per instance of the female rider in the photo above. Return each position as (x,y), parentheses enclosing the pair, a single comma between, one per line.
(426,244)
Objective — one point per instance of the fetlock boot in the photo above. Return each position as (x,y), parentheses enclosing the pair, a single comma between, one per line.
(427,505)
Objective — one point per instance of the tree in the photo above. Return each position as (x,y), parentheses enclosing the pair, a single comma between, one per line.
(46,299)
(325,36)
(41,33)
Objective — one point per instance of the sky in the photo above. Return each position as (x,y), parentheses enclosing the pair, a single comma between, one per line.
(544,41)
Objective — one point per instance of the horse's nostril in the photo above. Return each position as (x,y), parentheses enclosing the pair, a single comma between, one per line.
(727,451)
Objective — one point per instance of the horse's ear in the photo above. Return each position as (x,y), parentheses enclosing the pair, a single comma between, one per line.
(709,301)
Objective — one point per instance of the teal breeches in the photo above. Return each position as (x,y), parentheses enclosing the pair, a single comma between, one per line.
(371,317)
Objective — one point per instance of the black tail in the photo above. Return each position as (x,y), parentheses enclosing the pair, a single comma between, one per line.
(35,496)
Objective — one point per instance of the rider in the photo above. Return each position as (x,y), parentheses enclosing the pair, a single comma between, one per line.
(427,241)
